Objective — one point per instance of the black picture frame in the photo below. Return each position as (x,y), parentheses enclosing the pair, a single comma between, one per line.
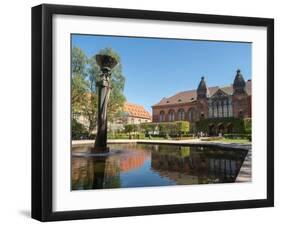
(42,111)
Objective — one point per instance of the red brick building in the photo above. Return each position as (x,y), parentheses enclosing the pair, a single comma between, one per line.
(233,101)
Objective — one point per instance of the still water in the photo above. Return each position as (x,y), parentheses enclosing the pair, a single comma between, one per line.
(145,165)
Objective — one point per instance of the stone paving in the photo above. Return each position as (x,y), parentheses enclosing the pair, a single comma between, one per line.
(245,173)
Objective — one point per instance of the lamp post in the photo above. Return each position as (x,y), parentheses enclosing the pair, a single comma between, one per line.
(106,64)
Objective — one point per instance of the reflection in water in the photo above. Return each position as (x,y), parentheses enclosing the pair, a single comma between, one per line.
(140,165)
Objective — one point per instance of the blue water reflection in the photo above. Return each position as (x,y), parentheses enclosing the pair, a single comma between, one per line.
(143,165)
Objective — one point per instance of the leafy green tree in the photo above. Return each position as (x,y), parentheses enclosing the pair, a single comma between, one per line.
(129,128)
(85,74)
(248,125)
(177,128)
(182,127)
(117,81)
(78,130)
(78,80)
(79,61)
(79,88)
(148,127)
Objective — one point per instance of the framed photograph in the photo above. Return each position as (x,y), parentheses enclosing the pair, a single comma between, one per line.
(145,112)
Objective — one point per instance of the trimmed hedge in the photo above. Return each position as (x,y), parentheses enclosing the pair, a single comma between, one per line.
(173,129)
(163,129)
(247,136)
(125,136)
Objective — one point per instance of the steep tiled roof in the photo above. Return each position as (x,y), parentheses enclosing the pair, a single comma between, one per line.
(135,110)
(191,95)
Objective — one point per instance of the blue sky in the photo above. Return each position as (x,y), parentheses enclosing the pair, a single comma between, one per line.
(156,68)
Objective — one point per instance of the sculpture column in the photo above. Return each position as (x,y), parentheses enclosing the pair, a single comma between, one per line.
(103,91)
(106,63)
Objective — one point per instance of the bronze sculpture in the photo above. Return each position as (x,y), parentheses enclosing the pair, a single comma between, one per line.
(106,64)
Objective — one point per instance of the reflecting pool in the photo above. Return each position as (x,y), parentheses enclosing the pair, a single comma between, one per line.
(145,165)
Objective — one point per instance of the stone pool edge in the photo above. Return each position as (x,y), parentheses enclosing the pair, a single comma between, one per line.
(194,142)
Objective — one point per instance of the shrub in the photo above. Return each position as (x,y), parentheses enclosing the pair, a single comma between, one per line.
(173,129)
(117,136)
(238,136)
(248,125)
(162,129)
(148,128)
(78,131)
(129,128)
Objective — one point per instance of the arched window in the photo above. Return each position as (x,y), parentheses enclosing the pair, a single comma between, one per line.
(162,116)
(171,115)
(191,114)
(181,115)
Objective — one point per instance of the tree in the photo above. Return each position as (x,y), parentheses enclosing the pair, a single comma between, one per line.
(79,61)
(176,128)
(248,125)
(78,82)
(148,128)
(85,74)
(117,81)
(182,127)
(78,90)
(129,128)
(78,130)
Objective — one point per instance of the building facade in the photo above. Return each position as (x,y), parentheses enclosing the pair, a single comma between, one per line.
(135,114)
(233,101)
(131,114)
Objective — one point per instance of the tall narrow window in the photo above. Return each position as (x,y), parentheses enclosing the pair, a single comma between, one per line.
(220,109)
(181,115)
(171,115)
(225,110)
(230,110)
(215,111)
(191,115)
(162,116)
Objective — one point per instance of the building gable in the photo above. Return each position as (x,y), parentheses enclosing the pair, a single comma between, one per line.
(219,94)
